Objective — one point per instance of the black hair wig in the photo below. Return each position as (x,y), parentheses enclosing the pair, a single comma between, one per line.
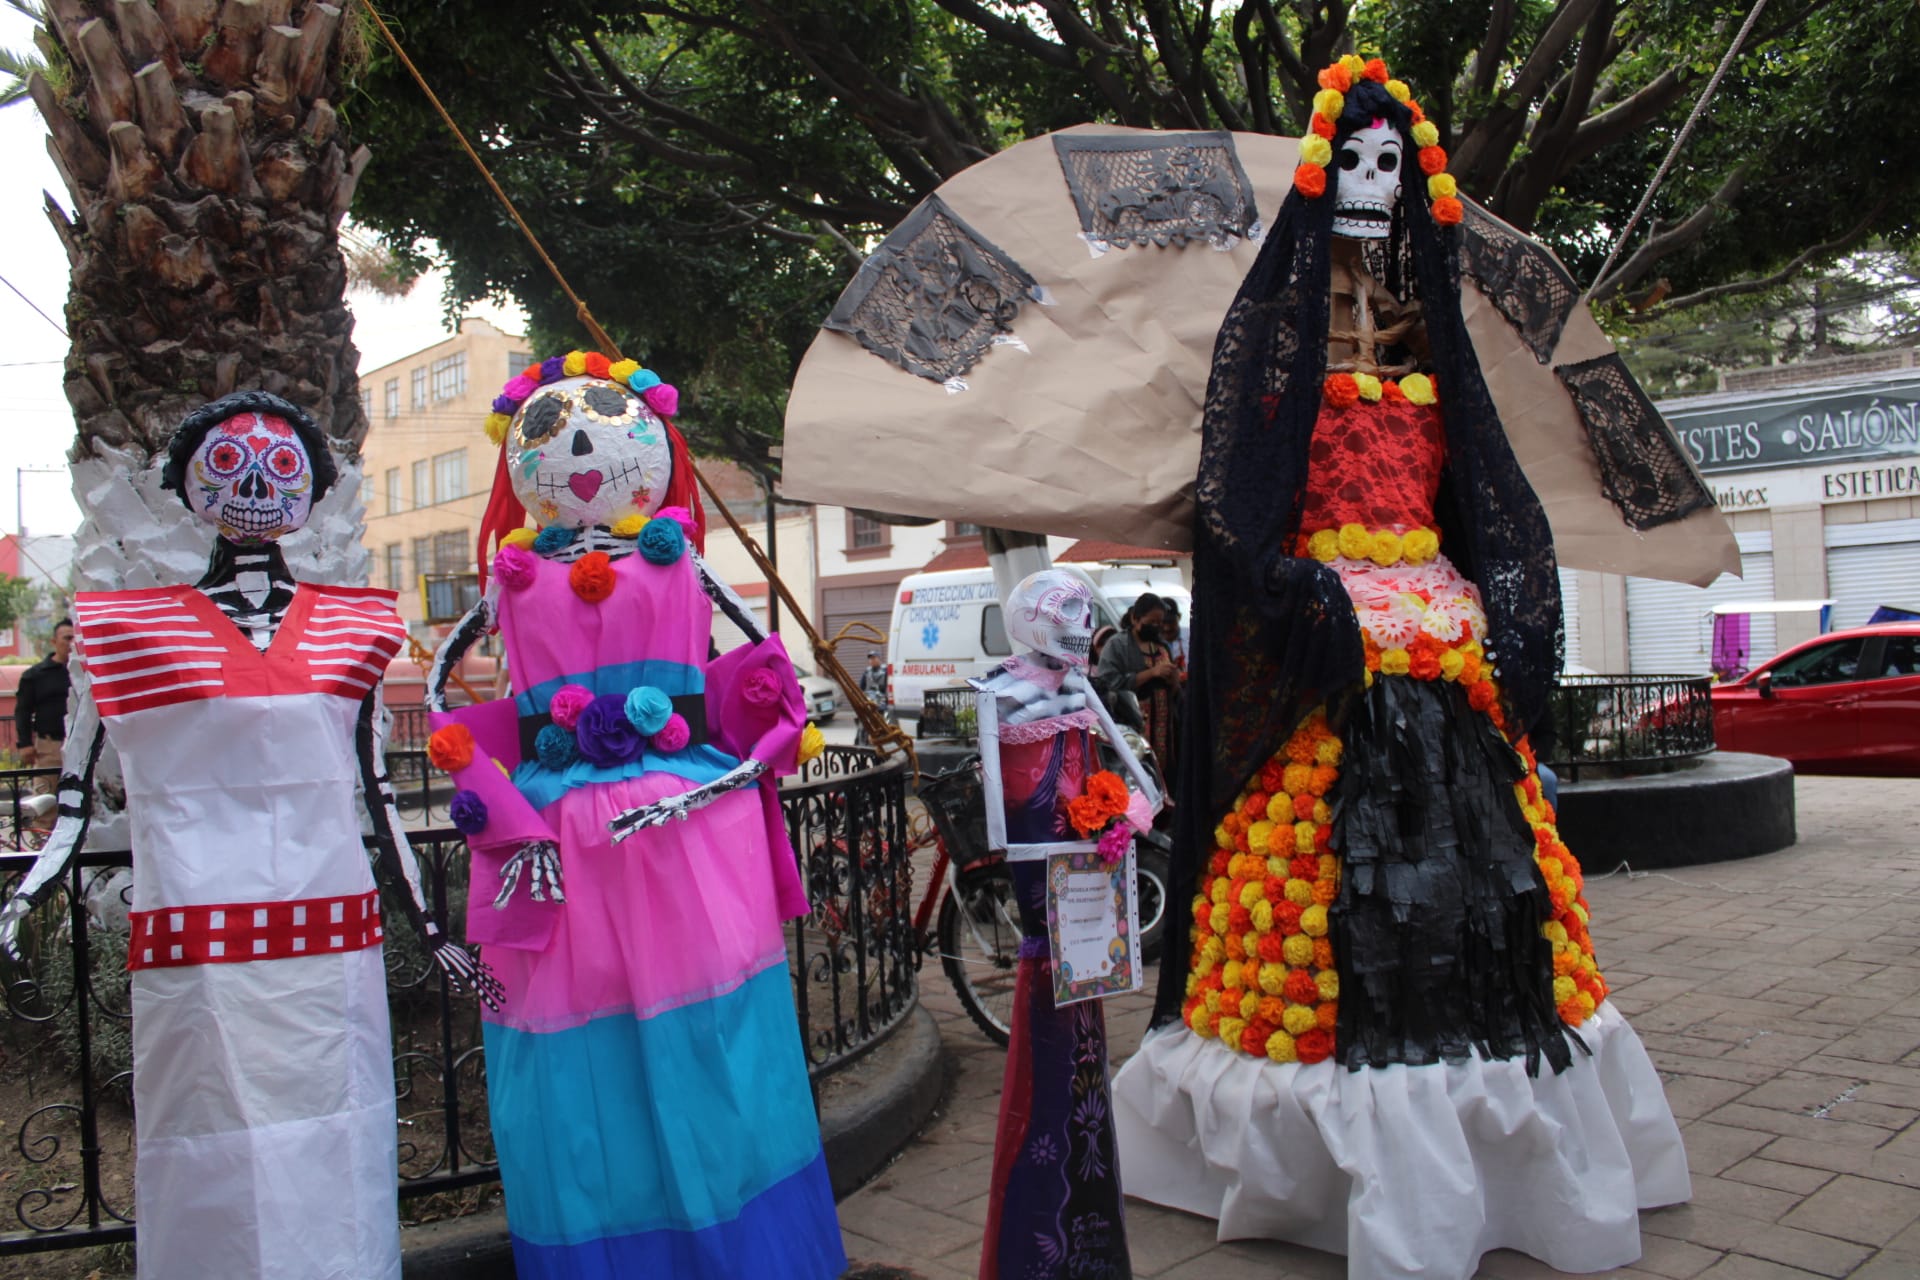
(195,426)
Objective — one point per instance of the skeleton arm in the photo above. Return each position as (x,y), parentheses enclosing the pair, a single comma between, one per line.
(80,756)
(474,624)
(728,601)
(397,861)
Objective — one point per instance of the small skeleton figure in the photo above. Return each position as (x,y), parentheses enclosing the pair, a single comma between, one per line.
(1055,1209)
(650,985)
(246,710)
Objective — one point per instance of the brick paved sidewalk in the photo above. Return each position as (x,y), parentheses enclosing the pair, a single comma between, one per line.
(1779,996)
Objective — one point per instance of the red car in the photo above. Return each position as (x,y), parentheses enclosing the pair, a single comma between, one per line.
(1845,702)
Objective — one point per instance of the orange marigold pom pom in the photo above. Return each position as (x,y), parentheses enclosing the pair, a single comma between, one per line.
(1482,695)
(1217,865)
(1239,919)
(1324,776)
(1327,1015)
(1342,393)
(451,747)
(1272,948)
(1433,160)
(1375,70)
(1316,1045)
(1254,1039)
(1255,809)
(1310,180)
(1303,807)
(1107,788)
(1300,989)
(532,372)
(1336,78)
(591,577)
(1325,891)
(1086,814)
(1323,953)
(1418,114)
(1236,949)
(597,365)
(1322,126)
(1303,868)
(1448,211)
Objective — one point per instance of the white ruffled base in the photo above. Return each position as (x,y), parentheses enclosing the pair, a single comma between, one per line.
(1409,1171)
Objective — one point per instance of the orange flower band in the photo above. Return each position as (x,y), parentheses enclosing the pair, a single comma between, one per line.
(1316,149)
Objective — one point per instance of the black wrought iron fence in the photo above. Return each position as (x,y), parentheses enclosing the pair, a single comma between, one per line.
(948,713)
(24,819)
(1629,722)
(67,1043)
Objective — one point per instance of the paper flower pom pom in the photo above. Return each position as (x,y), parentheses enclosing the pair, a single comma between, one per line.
(606,736)
(469,813)
(1114,843)
(1310,180)
(1426,134)
(621,370)
(591,577)
(628,526)
(498,424)
(663,399)
(673,736)
(1315,149)
(662,542)
(1441,185)
(1375,70)
(1343,392)
(1315,1046)
(1368,386)
(513,567)
(1448,211)
(518,389)
(648,709)
(555,747)
(451,747)
(597,365)
(1336,78)
(553,368)
(1398,90)
(679,515)
(554,538)
(1433,160)
(1418,388)
(574,363)
(812,743)
(1329,103)
(1322,126)
(521,538)
(569,700)
(1354,63)
(761,688)
(643,379)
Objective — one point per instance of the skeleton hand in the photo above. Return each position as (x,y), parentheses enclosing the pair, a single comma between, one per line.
(660,812)
(465,973)
(11,915)
(540,859)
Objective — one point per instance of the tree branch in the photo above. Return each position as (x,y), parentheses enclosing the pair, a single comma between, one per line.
(1736,288)
(1493,50)
(1667,240)
(1017,34)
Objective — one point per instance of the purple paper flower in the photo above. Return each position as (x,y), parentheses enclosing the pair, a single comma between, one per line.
(504,403)
(607,737)
(761,688)
(551,368)
(469,813)
(514,567)
(569,700)
(673,736)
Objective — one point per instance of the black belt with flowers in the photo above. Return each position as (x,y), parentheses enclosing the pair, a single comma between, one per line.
(601,749)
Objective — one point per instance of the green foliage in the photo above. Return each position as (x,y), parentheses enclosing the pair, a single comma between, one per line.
(18,599)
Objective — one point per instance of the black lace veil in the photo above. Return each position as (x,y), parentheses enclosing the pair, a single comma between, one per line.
(1273,634)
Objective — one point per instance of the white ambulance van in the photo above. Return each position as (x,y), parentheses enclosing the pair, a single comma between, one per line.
(947,628)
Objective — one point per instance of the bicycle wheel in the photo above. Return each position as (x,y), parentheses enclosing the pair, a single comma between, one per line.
(1151,873)
(979,938)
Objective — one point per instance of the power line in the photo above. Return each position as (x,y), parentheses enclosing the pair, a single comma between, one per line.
(36,309)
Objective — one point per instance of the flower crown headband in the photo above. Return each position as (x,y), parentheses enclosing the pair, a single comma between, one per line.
(1316,149)
(661,397)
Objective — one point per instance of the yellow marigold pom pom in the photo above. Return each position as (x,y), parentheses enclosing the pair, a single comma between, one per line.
(1426,134)
(1300,892)
(1217,891)
(1295,779)
(1277,866)
(1303,838)
(1355,542)
(1385,550)
(1273,978)
(1250,1005)
(1260,838)
(1262,912)
(812,743)
(1369,385)
(1442,185)
(1253,892)
(1450,664)
(1213,1001)
(1329,866)
(1419,545)
(1324,546)
(1222,838)
(1328,752)
(1395,662)
(621,370)
(1563,990)
(1315,150)
(1313,921)
(1298,951)
(574,364)
(1586,1003)
(1579,909)
(1398,91)
(1298,1020)
(1233,977)
(522,538)
(1355,65)
(497,426)
(1231,1030)
(1193,983)
(1321,814)
(1280,1048)
(1328,981)
(1202,1025)
(1330,103)
(1550,868)
(629,526)
(1217,918)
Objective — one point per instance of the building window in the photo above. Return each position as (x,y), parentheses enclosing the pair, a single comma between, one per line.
(517,362)
(864,533)
(396,566)
(393,397)
(418,380)
(394,505)
(422,484)
(450,475)
(366,404)
(422,556)
(449,376)
(451,552)
(961,529)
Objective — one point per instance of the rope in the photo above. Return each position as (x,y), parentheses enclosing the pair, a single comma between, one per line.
(879,730)
(1686,131)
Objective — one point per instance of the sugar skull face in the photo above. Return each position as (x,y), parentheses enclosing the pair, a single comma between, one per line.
(251,478)
(1051,612)
(1367,183)
(586,451)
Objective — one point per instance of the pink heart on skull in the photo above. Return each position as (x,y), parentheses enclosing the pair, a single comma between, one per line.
(585,484)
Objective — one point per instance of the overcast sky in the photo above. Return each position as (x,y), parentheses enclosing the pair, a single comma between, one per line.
(36,427)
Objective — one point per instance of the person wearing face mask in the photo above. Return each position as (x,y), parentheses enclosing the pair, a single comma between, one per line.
(1138,661)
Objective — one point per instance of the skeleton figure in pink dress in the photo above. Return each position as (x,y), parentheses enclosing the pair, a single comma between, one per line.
(246,711)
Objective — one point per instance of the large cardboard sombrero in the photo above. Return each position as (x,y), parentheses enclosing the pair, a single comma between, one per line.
(1030,349)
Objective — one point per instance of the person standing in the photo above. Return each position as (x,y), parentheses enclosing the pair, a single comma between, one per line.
(40,708)
(1137,661)
(873,681)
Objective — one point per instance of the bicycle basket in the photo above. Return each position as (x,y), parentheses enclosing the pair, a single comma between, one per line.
(956,801)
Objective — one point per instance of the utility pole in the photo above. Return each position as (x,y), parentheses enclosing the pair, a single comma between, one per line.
(19,493)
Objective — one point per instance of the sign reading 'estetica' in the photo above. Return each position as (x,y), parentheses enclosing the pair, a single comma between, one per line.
(1819,425)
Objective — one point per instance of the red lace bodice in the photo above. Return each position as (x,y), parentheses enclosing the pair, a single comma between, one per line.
(1375,464)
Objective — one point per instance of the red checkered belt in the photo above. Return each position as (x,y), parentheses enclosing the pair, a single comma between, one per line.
(234,932)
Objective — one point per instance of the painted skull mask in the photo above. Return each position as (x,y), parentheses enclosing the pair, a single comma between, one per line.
(1367,185)
(587,451)
(1051,612)
(251,478)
